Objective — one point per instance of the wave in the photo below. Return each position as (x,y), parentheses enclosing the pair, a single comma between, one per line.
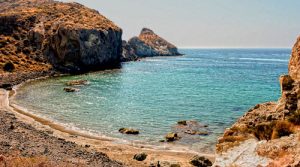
(261,59)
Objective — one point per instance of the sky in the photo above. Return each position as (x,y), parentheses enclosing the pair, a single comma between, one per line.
(207,23)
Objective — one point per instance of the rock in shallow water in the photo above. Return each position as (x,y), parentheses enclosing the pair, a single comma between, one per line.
(129,131)
(170,137)
(71,89)
(77,82)
(183,122)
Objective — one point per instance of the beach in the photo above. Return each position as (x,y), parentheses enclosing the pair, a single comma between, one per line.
(60,146)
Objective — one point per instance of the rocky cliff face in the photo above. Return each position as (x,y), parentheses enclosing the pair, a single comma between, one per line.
(269,133)
(148,44)
(294,65)
(40,35)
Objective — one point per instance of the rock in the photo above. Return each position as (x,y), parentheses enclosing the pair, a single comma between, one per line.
(200,161)
(149,44)
(183,122)
(77,82)
(170,137)
(286,83)
(6,86)
(128,53)
(9,67)
(203,133)
(157,164)
(129,131)
(190,132)
(190,127)
(46,34)
(294,64)
(68,89)
(174,165)
(37,35)
(140,157)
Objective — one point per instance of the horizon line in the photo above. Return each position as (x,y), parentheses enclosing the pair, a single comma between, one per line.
(194,47)
(222,47)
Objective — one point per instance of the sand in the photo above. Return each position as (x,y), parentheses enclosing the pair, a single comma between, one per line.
(121,152)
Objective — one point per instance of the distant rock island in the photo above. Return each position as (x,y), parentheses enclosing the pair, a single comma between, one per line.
(147,44)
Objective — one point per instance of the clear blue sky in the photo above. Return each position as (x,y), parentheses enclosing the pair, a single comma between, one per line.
(207,23)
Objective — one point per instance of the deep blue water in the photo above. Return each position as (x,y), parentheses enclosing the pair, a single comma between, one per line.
(212,86)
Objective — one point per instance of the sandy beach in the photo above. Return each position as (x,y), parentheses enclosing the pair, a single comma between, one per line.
(57,135)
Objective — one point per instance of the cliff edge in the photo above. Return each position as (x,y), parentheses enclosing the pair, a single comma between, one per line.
(269,133)
(37,36)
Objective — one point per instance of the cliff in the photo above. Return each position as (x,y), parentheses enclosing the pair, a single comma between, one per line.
(43,35)
(269,133)
(148,44)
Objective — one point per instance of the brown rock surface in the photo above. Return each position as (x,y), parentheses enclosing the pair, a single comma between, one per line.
(149,44)
(38,35)
(294,65)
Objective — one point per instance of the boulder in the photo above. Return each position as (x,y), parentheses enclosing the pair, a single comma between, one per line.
(77,82)
(200,161)
(170,137)
(140,157)
(183,122)
(190,127)
(68,89)
(129,131)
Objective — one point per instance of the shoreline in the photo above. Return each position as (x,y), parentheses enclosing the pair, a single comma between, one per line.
(122,152)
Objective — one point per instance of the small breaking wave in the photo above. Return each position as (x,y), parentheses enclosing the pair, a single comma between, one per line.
(260,59)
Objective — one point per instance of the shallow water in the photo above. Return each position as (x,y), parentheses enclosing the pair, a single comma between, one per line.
(212,86)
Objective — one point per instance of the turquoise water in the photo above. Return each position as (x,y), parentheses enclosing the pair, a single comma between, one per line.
(212,86)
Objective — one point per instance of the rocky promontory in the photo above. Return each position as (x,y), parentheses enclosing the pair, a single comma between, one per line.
(46,35)
(268,134)
(148,44)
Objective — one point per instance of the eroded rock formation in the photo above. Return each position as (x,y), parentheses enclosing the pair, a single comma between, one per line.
(40,35)
(269,133)
(148,44)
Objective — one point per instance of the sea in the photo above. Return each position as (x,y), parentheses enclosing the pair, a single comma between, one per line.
(211,86)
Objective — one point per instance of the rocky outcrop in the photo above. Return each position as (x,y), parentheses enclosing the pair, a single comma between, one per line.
(268,134)
(148,44)
(294,65)
(41,35)
(128,53)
